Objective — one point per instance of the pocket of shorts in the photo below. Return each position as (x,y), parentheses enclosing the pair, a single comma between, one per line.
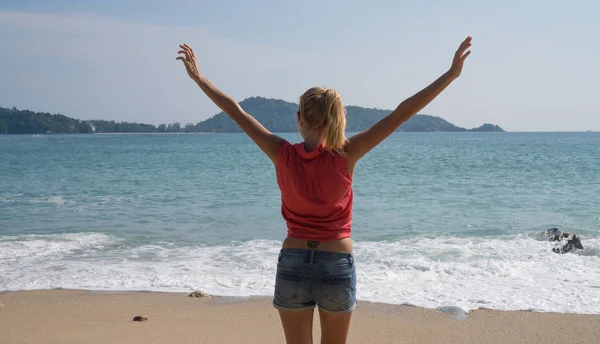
(347,263)
(287,285)
(337,289)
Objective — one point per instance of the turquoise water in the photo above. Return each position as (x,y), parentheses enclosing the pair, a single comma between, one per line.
(440,219)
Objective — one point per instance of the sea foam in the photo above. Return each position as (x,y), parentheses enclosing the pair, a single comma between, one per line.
(518,272)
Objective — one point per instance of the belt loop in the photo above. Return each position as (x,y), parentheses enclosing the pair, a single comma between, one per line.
(312,257)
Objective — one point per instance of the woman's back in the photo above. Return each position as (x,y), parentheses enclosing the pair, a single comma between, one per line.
(316,193)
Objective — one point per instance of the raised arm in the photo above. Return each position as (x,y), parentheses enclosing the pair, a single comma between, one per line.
(267,141)
(361,143)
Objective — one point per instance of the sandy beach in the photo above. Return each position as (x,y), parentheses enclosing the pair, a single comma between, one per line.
(71,316)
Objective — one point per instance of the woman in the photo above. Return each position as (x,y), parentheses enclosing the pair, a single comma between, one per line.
(316,265)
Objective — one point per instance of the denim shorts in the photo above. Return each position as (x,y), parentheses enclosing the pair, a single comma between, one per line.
(306,278)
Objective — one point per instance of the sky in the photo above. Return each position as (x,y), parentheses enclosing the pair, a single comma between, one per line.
(534,64)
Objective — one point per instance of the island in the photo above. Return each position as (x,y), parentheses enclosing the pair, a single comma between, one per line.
(275,114)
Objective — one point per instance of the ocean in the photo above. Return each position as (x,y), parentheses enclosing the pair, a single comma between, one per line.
(440,219)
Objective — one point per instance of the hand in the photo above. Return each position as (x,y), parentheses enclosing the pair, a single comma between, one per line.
(459,58)
(189,61)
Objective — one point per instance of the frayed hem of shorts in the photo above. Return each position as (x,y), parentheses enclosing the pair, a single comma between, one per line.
(281,308)
(348,310)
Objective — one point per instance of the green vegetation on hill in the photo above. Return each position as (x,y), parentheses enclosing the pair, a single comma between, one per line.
(13,121)
(279,116)
(488,127)
(276,115)
(361,118)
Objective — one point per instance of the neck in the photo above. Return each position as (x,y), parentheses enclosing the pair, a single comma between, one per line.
(311,144)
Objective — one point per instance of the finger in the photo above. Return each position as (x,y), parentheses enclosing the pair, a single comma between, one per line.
(180,58)
(186,53)
(464,45)
(460,52)
(188,66)
(466,55)
(187,48)
(191,50)
(467,40)
(186,63)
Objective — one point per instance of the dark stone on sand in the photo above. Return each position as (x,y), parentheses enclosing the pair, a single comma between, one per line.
(140,318)
(200,294)
(572,241)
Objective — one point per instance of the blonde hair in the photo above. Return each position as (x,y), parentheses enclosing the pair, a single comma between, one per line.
(324,106)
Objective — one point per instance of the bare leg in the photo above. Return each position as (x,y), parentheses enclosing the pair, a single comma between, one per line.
(334,327)
(297,325)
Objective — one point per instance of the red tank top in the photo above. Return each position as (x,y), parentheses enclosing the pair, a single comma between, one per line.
(316,193)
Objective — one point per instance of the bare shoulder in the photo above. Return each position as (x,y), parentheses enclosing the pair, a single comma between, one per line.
(280,146)
(352,148)
(352,156)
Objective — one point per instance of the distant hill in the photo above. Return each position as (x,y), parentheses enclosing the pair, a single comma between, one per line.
(13,121)
(488,127)
(276,115)
(279,116)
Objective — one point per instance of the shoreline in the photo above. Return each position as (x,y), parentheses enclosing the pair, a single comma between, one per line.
(448,309)
(534,279)
(82,316)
